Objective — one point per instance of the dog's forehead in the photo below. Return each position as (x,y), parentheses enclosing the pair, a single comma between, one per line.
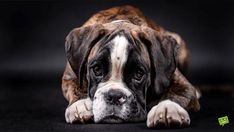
(119,48)
(119,55)
(93,52)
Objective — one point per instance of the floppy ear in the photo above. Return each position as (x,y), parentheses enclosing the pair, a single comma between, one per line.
(78,45)
(162,51)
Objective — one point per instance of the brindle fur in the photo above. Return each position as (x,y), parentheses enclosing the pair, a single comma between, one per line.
(180,91)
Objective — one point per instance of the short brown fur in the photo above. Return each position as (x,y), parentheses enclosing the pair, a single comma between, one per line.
(181,91)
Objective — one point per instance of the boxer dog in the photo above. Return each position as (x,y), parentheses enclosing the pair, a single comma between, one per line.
(123,67)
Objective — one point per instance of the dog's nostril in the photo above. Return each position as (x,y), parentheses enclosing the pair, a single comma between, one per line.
(115,97)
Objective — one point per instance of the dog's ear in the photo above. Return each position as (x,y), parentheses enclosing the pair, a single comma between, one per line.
(162,51)
(78,45)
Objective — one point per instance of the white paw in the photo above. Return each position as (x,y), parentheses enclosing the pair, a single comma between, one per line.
(167,114)
(80,111)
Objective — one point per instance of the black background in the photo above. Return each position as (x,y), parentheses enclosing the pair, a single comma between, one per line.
(32,58)
(32,34)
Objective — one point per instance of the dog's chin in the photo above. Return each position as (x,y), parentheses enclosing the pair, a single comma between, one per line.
(112,119)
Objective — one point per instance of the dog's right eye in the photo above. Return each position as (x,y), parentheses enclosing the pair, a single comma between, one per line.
(139,74)
(98,70)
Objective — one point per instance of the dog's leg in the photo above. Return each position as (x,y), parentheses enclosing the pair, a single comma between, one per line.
(80,106)
(171,110)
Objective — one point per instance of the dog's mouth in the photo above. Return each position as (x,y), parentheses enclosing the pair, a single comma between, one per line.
(112,119)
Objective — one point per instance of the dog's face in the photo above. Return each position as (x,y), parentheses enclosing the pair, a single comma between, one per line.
(122,68)
(118,77)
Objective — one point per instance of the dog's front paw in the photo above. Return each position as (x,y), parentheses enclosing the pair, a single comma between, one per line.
(167,114)
(80,111)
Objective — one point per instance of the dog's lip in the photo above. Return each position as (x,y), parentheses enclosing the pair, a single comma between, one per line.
(112,119)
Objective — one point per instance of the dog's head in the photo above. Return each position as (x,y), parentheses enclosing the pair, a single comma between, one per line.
(125,66)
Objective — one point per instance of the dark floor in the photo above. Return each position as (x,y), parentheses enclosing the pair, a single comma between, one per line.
(31,106)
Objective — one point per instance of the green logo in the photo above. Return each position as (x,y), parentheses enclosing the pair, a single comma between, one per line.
(223,120)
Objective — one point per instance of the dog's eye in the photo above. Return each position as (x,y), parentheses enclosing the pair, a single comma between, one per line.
(139,74)
(97,70)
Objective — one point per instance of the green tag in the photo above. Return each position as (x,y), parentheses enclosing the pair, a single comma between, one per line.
(223,120)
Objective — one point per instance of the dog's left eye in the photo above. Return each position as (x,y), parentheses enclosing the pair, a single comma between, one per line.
(97,70)
(139,74)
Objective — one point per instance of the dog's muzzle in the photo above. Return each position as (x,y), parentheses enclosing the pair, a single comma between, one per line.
(113,103)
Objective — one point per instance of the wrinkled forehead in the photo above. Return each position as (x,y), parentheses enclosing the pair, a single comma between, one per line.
(119,47)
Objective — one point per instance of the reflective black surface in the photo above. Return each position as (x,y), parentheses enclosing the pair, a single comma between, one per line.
(41,107)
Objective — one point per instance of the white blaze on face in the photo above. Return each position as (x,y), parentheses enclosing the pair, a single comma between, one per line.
(118,57)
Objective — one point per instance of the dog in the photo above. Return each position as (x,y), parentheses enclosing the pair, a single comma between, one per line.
(123,67)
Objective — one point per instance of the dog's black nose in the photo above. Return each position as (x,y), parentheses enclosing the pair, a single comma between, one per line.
(115,97)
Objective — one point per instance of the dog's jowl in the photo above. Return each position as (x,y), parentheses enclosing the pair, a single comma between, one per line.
(123,67)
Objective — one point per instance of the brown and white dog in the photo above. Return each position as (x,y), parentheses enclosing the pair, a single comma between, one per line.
(122,67)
